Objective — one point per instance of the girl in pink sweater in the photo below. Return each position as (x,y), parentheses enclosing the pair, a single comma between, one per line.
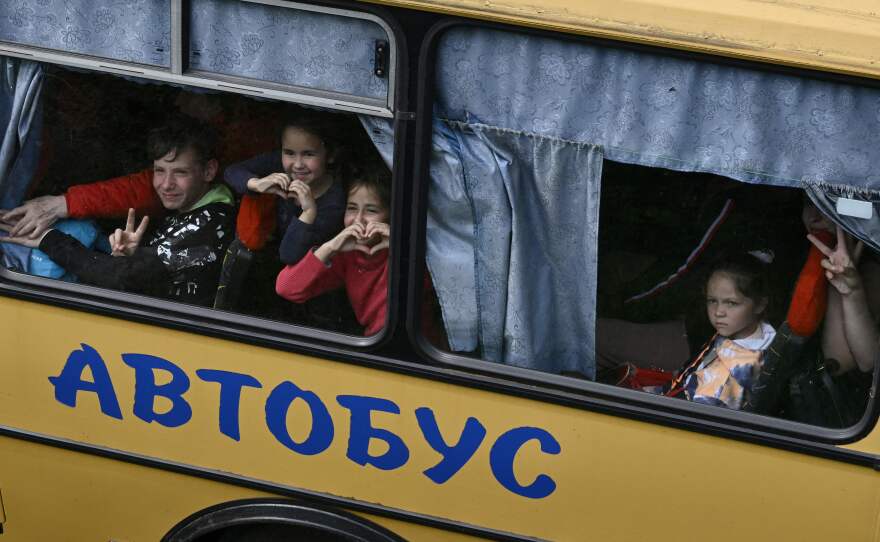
(356,258)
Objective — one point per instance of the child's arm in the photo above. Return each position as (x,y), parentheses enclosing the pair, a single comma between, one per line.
(262,174)
(102,199)
(300,236)
(850,335)
(113,197)
(859,327)
(143,272)
(315,273)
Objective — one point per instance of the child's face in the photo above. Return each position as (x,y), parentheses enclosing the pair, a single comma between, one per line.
(814,220)
(364,206)
(303,155)
(180,179)
(732,314)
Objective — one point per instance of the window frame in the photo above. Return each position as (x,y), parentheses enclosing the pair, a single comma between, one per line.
(583,393)
(229,324)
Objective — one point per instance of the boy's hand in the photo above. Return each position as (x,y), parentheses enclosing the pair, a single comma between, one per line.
(840,267)
(34,217)
(376,236)
(274,183)
(125,242)
(24,240)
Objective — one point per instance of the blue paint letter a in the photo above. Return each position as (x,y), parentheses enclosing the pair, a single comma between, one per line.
(70,381)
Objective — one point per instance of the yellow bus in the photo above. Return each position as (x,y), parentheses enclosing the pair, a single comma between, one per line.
(556,169)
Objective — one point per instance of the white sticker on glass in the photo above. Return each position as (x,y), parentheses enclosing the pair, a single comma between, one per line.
(855,208)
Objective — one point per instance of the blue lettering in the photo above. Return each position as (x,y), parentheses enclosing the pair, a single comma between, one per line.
(504,452)
(146,390)
(277,405)
(70,381)
(454,457)
(230,397)
(362,432)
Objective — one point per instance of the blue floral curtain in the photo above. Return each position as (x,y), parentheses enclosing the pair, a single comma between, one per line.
(127,30)
(654,110)
(285,45)
(535,207)
(21,113)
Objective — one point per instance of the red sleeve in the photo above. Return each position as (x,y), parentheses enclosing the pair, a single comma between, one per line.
(810,298)
(307,279)
(112,198)
(256,219)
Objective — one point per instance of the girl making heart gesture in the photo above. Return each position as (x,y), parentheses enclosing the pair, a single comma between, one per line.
(356,258)
(305,176)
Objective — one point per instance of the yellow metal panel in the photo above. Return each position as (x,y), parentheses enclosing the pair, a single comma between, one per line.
(59,495)
(608,469)
(818,34)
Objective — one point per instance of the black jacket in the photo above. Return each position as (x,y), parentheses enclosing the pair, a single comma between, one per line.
(180,260)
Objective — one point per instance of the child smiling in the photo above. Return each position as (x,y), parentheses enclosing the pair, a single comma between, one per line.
(356,258)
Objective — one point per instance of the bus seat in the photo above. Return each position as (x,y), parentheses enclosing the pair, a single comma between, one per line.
(236,264)
(806,310)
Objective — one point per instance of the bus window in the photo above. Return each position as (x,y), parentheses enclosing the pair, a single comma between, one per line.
(596,218)
(110,121)
(272,193)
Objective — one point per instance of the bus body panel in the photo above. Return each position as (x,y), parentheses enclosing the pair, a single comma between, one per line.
(607,467)
(612,478)
(813,34)
(93,498)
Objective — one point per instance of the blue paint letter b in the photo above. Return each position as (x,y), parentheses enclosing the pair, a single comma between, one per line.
(504,452)
(70,381)
(146,390)
(362,432)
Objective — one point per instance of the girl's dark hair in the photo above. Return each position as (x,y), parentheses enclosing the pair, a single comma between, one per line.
(749,275)
(375,176)
(330,128)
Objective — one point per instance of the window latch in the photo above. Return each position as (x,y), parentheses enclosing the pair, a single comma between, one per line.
(380,58)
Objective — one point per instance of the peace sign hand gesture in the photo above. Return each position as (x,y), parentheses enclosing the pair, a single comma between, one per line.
(124,242)
(840,263)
